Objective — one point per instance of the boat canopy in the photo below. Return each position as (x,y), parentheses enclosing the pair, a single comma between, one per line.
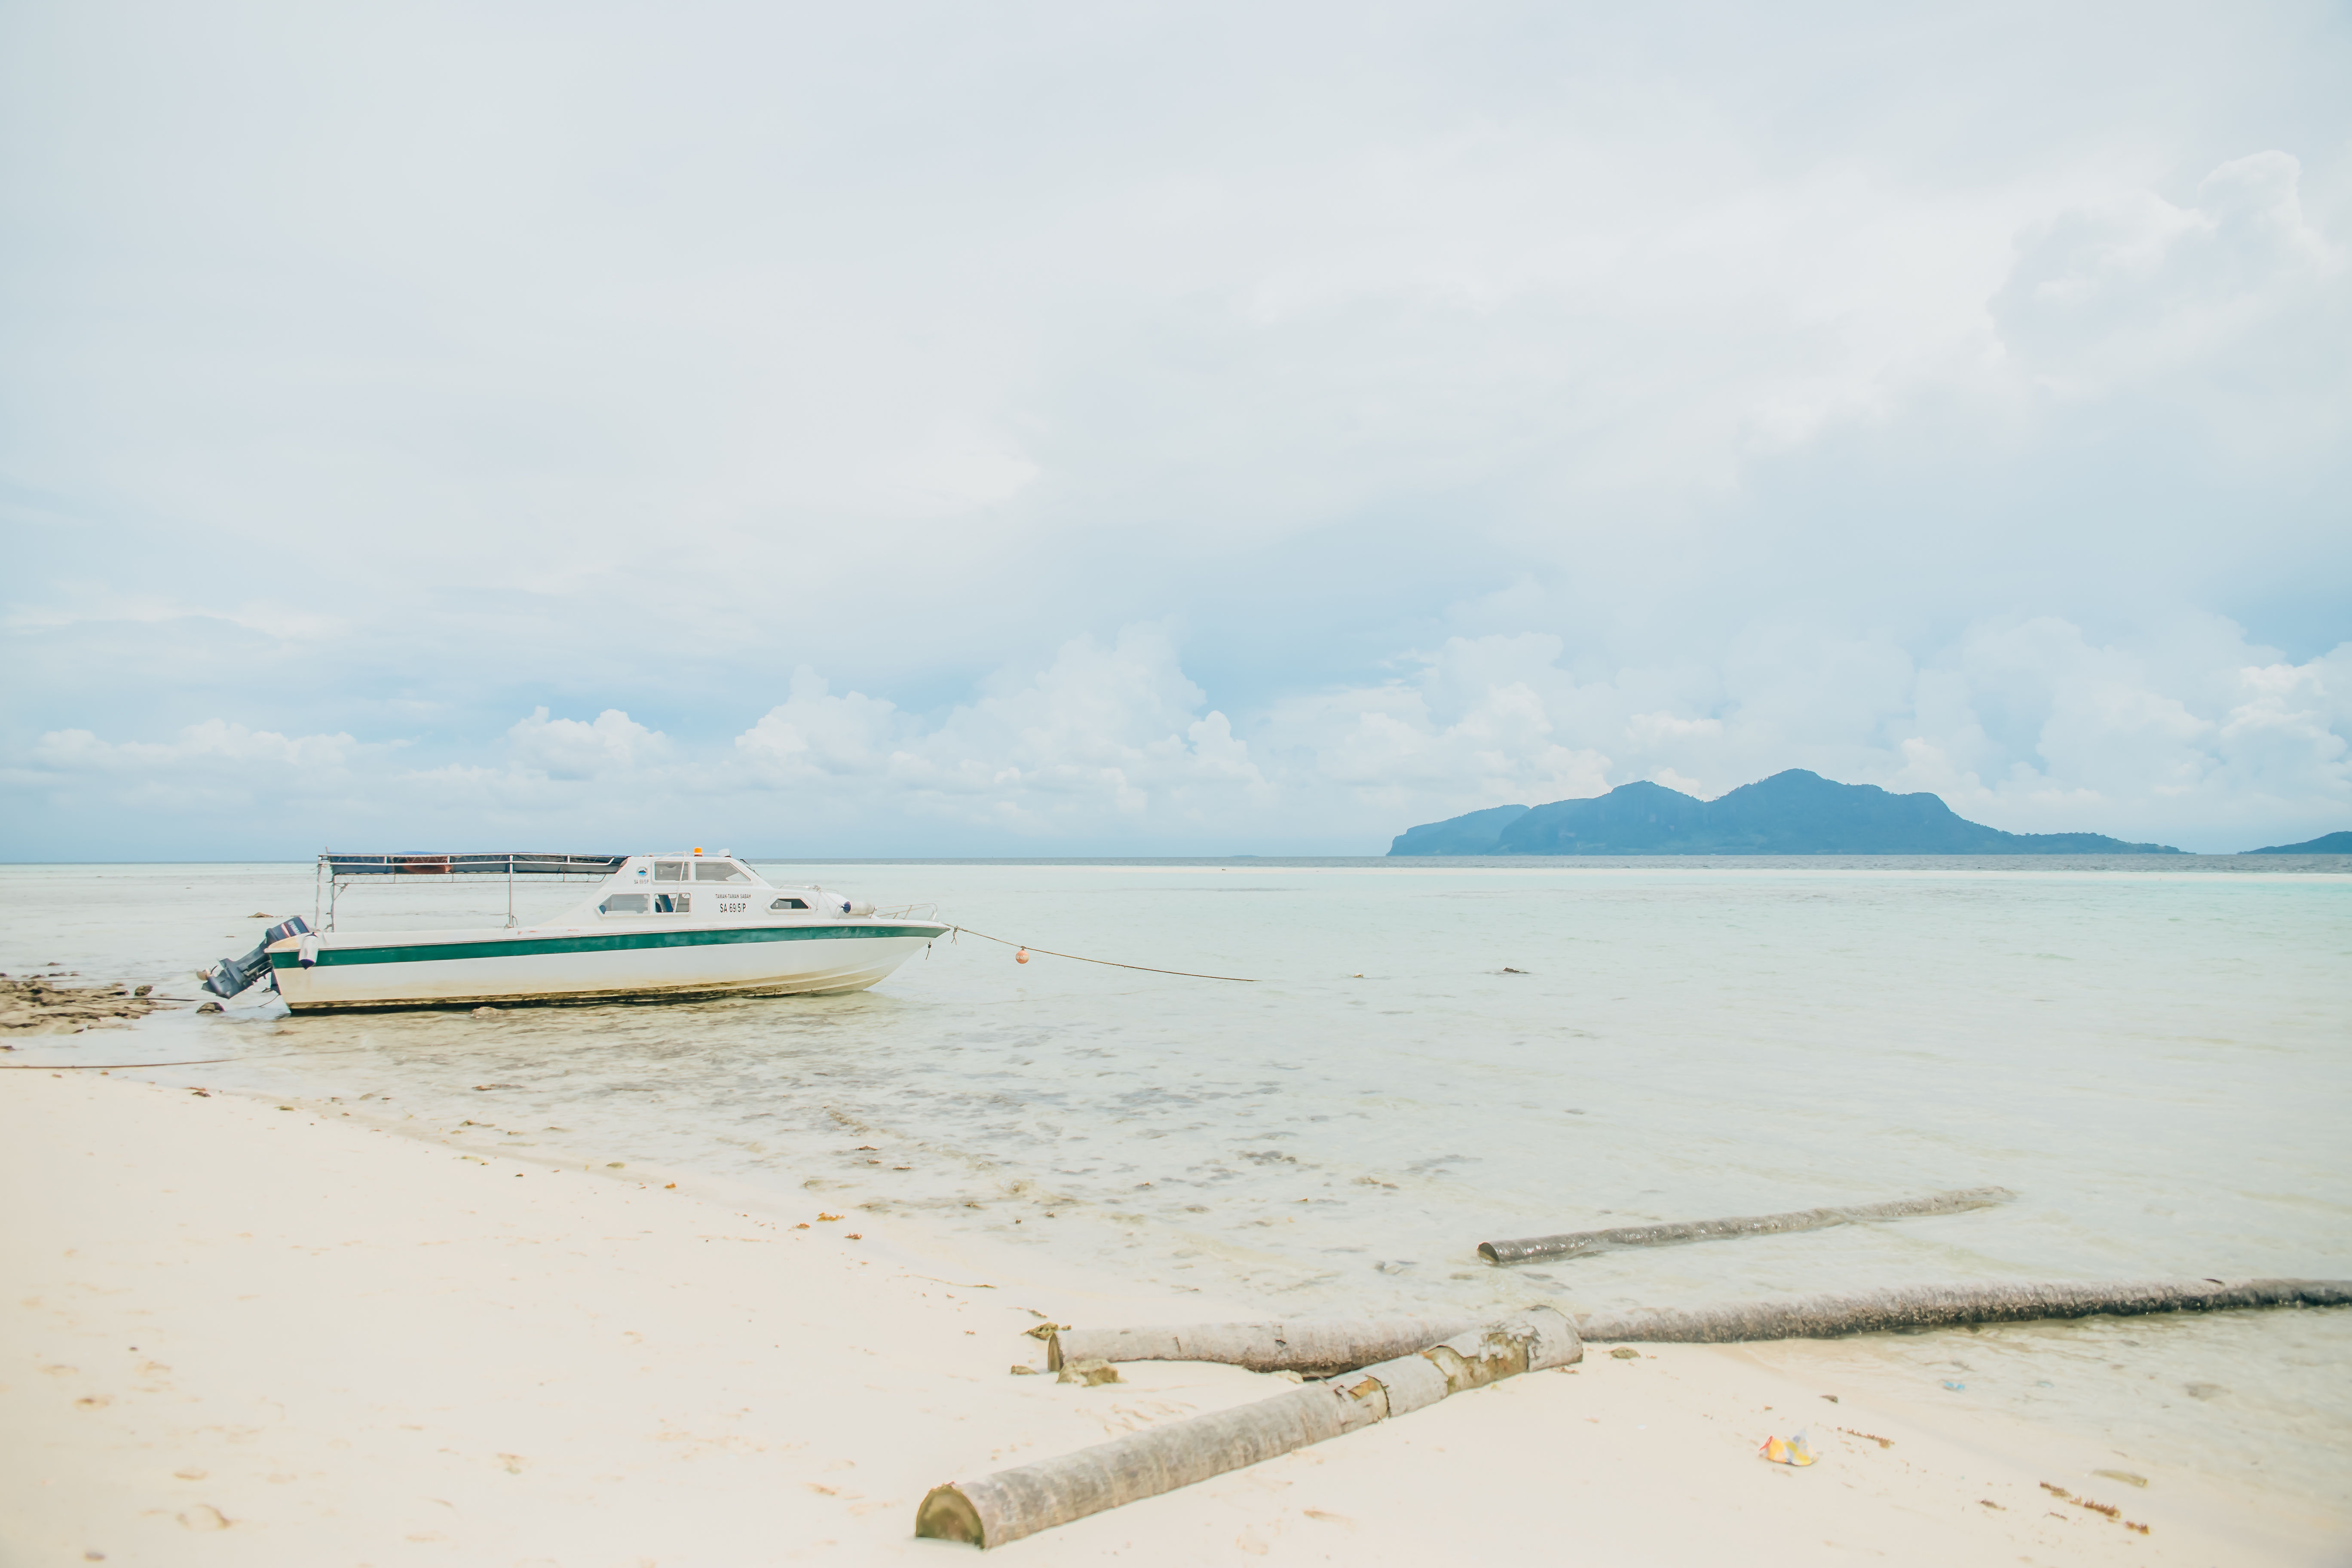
(509,864)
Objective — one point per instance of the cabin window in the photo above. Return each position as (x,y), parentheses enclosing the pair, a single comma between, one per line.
(672,903)
(717,871)
(624,904)
(788,904)
(669,871)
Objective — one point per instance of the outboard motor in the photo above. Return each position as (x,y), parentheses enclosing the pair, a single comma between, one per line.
(231,976)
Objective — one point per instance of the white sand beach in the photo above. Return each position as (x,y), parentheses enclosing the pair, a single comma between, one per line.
(236,1332)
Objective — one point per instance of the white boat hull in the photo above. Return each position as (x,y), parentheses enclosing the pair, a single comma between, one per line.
(666,961)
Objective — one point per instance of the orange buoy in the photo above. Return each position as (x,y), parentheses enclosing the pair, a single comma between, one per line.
(1021,955)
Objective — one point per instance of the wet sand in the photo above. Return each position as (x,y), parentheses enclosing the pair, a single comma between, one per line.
(235,1332)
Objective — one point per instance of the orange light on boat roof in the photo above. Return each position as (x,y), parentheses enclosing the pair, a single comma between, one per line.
(698,849)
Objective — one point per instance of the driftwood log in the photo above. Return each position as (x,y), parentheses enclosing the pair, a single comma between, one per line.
(1579,1242)
(1332,1344)
(1946,1306)
(1342,1343)
(1013,1503)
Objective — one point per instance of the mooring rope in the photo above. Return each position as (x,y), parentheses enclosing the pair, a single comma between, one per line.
(110,1067)
(1108,963)
(199,1062)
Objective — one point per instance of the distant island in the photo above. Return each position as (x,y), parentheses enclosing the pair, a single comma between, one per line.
(1791,813)
(2325,844)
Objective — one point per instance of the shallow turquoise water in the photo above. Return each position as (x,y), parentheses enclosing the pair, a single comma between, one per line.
(2160,1063)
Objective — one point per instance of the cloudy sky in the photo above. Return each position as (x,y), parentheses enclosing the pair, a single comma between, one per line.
(912,429)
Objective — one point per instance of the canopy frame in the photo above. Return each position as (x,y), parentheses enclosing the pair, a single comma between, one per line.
(338,870)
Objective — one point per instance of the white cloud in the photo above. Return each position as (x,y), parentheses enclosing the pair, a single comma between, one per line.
(2233,313)
(212,746)
(814,734)
(1102,734)
(2288,734)
(212,769)
(1650,730)
(2133,285)
(2031,725)
(570,749)
(2085,735)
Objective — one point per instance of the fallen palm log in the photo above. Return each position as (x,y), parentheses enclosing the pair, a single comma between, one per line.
(1946,1306)
(1333,1345)
(1341,1343)
(1579,1242)
(1013,1503)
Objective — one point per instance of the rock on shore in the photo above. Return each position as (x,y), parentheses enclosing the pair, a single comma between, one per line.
(37,1004)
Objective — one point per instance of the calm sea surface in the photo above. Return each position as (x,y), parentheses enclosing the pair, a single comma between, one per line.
(2158,1060)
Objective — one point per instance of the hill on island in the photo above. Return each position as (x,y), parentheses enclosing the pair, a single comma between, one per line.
(1791,813)
(2325,844)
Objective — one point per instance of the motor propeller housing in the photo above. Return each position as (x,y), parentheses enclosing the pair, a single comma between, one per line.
(233,977)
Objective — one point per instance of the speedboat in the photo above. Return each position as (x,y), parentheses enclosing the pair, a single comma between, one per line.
(668,927)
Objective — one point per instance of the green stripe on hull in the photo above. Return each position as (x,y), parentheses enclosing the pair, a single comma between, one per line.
(617,941)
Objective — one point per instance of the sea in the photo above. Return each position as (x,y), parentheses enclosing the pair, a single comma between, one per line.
(1406,1059)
